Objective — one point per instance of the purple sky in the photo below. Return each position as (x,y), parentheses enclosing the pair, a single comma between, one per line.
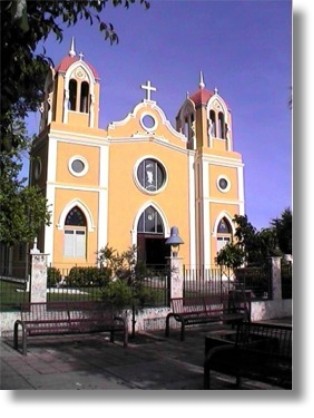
(244,49)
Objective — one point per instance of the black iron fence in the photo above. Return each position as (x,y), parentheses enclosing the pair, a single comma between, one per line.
(207,281)
(256,279)
(91,283)
(13,292)
(202,281)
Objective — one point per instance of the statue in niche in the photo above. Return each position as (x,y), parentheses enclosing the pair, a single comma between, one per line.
(211,129)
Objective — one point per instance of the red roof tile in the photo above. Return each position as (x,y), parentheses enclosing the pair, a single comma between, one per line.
(67,61)
(201,97)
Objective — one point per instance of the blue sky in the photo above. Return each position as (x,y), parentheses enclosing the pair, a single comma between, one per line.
(243,47)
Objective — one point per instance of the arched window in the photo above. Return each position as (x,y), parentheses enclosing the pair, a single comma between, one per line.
(189,130)
(224,233)
(72,94)
(221,125)
(212,123)
(75,234)
(84,99)
(150,222)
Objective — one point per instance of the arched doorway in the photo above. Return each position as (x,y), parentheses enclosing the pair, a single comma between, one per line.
(151,247)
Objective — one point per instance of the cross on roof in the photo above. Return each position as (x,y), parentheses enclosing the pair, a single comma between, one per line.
(149,88)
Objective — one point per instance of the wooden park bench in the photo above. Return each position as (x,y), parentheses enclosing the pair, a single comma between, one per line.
(56,318)
(201,310)
(260,352)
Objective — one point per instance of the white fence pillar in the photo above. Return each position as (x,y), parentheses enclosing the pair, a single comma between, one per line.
(176,277)
(39,266)
(276,277)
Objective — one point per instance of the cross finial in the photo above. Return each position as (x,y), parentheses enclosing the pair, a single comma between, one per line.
(149,88)
(81,55)
(72,51)
(216,90)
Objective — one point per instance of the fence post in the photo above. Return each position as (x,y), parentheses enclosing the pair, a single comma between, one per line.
(176,277)
(276,277)
(39,266)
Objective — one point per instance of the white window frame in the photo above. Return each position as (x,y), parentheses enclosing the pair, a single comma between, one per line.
(74,249)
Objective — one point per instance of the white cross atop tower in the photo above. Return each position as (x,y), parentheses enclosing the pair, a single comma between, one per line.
(149,88)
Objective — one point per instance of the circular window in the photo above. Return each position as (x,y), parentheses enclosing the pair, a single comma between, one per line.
(78,166)
(151,175)
(223,184)
(149,122)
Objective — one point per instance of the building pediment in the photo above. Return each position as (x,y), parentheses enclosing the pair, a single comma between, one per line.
(147,120)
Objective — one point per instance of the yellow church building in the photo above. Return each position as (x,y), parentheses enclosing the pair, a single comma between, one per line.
(130,183)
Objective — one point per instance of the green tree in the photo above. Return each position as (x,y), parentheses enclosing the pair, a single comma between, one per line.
(23,209)
(250,247)
(24,24)
(283,230)
(231,256)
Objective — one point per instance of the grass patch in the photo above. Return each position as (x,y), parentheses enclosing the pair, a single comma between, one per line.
(12,295)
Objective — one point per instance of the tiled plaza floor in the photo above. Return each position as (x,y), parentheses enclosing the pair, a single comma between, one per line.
(90,362)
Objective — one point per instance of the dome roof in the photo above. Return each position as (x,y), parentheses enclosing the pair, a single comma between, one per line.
(70,59)
(201,96)
(67,61)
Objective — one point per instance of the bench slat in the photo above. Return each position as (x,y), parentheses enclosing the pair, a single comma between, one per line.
(261,352)
(67,318)
(201,310)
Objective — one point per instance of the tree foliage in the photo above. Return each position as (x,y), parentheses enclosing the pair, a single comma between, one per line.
(128,276)
(25,23)
(283,230)
(23,209)
(253,247)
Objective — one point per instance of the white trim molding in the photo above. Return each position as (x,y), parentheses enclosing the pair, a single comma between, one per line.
(218,219)
(226,178)
(138,215)
(153,106)
(192,210)
(137,182)
(82,160)
(83,208)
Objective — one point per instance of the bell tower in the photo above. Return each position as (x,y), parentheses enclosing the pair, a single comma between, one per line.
(206,121)
(67,157)
(72,93)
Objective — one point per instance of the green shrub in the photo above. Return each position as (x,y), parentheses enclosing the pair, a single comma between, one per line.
(118,294)
(88,277)
(53,276)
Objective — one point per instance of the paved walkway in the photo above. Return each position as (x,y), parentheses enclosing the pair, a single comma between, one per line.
(91,362)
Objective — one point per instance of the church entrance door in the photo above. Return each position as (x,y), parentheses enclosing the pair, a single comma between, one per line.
(151,243)
(152,250)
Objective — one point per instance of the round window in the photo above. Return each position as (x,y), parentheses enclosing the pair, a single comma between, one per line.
(78,166)
(148,122)
(223,184)
(151,175)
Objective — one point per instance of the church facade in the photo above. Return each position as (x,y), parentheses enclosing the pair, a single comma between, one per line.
(130,183)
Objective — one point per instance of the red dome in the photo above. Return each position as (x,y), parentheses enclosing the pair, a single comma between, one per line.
(67,61)
(201,97)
